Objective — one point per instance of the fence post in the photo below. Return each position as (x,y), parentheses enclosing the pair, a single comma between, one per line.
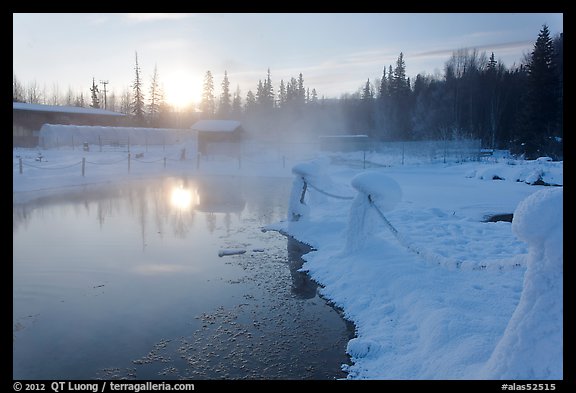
(83,165)
(20,164)
(128,162)
(164,162)
(283,162)
(304,188)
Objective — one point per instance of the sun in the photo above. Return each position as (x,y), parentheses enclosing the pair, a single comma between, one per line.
(182,90)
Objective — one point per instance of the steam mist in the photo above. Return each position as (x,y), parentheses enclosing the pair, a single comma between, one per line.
(297,128)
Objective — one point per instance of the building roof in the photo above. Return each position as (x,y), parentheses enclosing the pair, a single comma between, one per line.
(63,109)
(216,125)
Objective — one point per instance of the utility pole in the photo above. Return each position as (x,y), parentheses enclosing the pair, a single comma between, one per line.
(104,83)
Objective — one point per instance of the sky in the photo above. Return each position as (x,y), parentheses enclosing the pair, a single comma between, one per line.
(335,52)
(444,295)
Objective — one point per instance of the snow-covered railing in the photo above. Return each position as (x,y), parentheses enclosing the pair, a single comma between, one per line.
(376,193)
(42,163)
(306,173)
(374,189)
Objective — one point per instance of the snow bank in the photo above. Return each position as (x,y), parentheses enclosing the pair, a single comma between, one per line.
(523,353)
(539,171)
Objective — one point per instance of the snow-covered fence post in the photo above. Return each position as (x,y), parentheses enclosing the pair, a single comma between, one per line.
(83,165)
(532,344)
(376,193)
(128,162)
(20,164)
(297,208)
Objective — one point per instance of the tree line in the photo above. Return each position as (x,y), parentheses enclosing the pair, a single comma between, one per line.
(518,108)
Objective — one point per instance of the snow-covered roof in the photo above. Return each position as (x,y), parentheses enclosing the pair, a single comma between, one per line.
(346,136)
(216,125)
(63,109)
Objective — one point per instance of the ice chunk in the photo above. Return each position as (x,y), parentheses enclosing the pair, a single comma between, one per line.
(231,251)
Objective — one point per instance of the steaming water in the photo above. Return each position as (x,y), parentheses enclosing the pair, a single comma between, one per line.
(126,281)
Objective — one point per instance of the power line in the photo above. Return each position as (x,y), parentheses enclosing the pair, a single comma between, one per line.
(104,83)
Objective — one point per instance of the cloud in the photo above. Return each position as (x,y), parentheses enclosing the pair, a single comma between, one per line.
(506,47)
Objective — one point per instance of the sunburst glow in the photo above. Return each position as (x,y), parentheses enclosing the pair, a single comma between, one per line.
(184,198)
(182,90)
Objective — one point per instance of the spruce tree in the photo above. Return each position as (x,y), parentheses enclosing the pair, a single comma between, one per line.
(314,96)
(269,92)
(301,90)
(138,98)
(156,97)
(237,104)
(542,104)
(94,94)
(400,100)
(225,107)
(250,102)
(282,95)
(207,104)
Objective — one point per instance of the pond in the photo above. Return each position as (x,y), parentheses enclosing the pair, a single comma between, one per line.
(167,278)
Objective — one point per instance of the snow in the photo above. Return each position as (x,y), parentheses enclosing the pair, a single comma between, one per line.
(522,352)
(381,188)
(64,109)
(434,290)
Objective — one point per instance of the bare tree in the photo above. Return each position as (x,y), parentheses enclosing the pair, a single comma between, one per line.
(18,93)
(33,93)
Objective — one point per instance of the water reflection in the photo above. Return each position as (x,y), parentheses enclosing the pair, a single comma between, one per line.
(184,198)
(303,286)
(221,195)
(88,296)
(155,203)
